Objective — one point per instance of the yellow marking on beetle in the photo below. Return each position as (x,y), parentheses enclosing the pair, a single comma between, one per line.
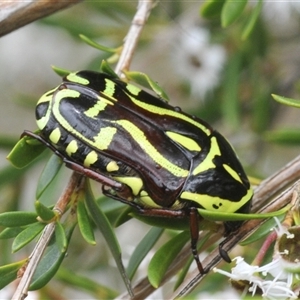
(184,141)
(232,172)
(135,183)
(112,166)
(100,105)
(177,205)
(90,159)
(59,96)
(43,121)
(47,96)
(72,147)
(65,93)
(103,139)
(207,163)
(211,203)
(109,88)
(73,77)
(139,136)
(134,90)
(163,111)
(146,200)
(55,135)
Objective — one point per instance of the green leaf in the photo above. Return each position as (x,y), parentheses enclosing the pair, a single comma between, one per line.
(106,68)
(231,11)
(143,249)
(223,216)
(146,81)
(211,8)
(124,216)
(114,211)
(9,233)
(50,261)
(164,257)
(25,151)
(80,282)
(8,273)
(180,224)
(17,218)
(104,226)
(167,223)
(26,236)
(49,173)
(61,72)
(47,267)
(46,214)
(252,21)
(84,223)
(98,46)
(286,101)
(60,237)
(287,137)
(262,231)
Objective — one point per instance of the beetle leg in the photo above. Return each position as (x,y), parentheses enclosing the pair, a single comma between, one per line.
(167,213)
(192,214)
(121,188)
(149,212)
(121,196)
(224,253)
(42,140)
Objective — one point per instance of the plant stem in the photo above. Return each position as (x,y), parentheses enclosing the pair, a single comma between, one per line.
(135,30)
(36,255)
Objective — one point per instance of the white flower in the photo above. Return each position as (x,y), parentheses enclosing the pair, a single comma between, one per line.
(286,249)
(273,279)
(198,61)
(242,270)
(278,288)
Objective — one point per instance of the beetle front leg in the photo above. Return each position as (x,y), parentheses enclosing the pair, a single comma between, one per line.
(121,188)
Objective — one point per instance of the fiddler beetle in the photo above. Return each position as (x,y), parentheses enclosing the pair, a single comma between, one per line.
(145,152)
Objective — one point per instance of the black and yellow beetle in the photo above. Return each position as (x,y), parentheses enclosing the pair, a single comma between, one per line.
(145,152)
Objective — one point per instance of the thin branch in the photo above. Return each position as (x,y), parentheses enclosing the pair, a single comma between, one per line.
(15,14)
(36,255)
(131,40)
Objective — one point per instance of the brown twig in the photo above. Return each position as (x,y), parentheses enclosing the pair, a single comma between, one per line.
(131,40)
(15,14)
(36,255)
